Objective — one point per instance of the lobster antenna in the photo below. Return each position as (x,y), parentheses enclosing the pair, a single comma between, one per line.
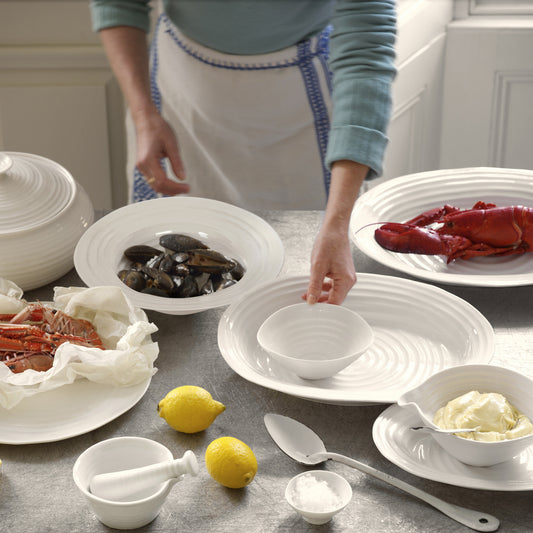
(369,224)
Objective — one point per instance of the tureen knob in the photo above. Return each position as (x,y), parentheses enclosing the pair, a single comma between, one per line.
(5,163)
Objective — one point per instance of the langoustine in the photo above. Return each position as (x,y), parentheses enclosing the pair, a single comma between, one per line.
(30,338)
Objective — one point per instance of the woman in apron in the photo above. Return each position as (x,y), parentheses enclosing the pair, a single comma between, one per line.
(263,104)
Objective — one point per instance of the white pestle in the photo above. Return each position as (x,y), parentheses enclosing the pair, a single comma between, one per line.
(119,485)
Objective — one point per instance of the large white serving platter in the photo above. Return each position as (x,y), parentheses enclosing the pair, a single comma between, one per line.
(225,228)
(67,411)
(400,199)
(419,329)
(422,456)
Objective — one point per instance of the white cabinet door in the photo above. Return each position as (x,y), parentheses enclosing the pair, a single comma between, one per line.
(488,94)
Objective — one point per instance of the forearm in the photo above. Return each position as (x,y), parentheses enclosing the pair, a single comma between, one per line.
(346,180)
(127,50)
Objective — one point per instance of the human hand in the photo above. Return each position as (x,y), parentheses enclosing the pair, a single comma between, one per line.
(156,141)
(332,268)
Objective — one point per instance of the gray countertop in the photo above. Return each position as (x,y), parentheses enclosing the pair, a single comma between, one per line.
(38,494)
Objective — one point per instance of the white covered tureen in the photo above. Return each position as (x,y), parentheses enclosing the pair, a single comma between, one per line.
(43,213)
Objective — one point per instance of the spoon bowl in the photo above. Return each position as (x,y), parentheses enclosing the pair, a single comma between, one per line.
(303,445)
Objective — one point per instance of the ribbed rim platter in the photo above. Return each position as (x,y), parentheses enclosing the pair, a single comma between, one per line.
(422,456)
(230,230)
(419,329)
(400,199)
(67,411)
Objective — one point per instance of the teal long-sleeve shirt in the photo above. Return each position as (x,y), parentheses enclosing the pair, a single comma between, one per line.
(362,55)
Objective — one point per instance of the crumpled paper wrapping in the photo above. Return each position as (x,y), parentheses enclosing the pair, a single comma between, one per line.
(123,328)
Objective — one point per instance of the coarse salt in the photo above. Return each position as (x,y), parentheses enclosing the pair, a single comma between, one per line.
(312,494)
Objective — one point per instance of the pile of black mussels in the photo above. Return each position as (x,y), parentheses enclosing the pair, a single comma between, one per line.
(185,267)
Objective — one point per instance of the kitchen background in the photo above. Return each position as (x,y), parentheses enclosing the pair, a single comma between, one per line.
(463,96)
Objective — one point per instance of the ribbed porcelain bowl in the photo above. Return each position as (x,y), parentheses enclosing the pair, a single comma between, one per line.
(43,213)
(444,386)
(315,341)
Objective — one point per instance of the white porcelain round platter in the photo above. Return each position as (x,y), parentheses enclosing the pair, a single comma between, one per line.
(419,329)
(400,199)
(230,230)
(422,456)
(67,411)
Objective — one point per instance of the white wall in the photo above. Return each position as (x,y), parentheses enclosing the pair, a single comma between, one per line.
(58,98)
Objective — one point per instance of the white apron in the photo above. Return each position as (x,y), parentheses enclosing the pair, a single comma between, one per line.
(252,130)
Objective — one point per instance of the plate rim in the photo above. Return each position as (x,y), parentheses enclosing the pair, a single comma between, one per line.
(137,392)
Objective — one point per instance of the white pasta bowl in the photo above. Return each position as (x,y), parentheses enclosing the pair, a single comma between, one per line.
(434,393)
(234,232)
(43,213)
(315,341)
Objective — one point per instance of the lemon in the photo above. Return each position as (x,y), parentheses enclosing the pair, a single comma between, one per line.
(189,409)
(230,462)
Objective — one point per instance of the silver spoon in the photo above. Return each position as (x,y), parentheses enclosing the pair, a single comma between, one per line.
(429,429)
(303,445)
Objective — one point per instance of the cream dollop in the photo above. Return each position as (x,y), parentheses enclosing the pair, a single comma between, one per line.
(493,417)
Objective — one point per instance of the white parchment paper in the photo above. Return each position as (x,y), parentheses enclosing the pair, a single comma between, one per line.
(123,328)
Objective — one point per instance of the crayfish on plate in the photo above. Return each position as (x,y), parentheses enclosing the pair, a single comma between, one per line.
(30,338)
(483,230)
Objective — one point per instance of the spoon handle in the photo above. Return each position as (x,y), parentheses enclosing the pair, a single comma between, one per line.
(470,518)
(429,429)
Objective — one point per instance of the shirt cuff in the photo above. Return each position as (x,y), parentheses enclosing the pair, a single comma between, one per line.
(106,15)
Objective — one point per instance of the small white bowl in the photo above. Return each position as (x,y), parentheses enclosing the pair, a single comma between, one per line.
(444,386)
(123,453)
(308,509)
(315,341)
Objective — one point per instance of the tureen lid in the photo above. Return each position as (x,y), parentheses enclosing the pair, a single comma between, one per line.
(33,190)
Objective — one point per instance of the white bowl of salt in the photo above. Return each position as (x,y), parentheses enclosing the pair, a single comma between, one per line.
(318,495)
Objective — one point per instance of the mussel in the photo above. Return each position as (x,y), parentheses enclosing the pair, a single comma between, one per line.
(133,279)
(176,242)
(141,253)
(186,267)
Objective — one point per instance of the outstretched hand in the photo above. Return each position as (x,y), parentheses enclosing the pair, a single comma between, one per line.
(332,268)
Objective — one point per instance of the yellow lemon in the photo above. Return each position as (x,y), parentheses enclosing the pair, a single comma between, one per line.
(230,462)
(189,409)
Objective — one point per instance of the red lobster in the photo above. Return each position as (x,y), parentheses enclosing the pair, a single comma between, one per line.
(464,233)
(29,339)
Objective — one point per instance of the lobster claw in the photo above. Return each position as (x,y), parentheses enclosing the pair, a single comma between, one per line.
(408,238)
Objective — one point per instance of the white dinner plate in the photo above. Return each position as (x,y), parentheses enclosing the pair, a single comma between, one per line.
(66,412)
(422,456)
(419,329)
(401,199)
(225,228)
